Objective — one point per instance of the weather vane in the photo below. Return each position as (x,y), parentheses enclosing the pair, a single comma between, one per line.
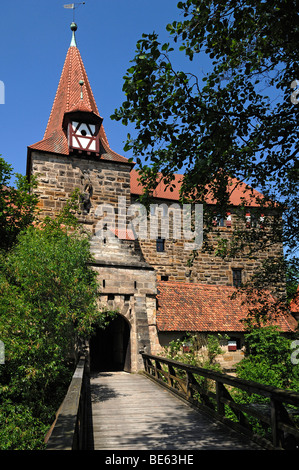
(73,6)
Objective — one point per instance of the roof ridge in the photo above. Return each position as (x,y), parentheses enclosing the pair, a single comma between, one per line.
(241,194)
(196,284)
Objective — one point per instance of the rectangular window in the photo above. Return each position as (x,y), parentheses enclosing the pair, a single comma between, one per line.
(237,277)
(218,221)
(254,220)
(160,244)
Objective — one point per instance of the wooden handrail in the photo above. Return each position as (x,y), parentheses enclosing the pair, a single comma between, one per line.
(274,415)
(68,431)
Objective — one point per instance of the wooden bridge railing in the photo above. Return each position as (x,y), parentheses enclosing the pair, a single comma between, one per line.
(275,416)
(69,432)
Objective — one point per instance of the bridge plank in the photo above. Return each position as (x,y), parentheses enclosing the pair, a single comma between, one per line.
(130,412)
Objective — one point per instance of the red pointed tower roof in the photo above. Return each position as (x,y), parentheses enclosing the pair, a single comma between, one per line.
(74,93)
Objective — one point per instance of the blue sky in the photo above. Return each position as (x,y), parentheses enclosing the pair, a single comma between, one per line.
(34,39)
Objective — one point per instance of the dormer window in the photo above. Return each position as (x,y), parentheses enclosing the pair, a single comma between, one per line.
(83,132)
(253,220)
(83,136)
(221,221)
(218,221)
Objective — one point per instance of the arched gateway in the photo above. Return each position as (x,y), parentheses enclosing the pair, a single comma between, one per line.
(110,347)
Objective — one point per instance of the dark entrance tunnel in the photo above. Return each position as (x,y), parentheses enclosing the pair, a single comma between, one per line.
(110,347)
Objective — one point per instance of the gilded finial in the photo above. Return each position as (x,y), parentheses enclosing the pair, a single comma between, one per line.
(74,28)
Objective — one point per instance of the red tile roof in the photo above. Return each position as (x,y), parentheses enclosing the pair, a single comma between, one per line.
(240,192)
(68,99)
(123,234)
(201,307)
(161,191)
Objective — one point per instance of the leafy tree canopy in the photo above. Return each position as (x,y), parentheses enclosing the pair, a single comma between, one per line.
(49,305)
(17,205)
(267,359)
(238,119)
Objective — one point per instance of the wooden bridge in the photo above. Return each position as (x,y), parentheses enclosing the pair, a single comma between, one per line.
(169,408)
(131,412)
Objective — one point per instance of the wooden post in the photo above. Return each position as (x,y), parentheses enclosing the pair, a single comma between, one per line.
(158,367)
(173,373)
(274,422)
(220,389)
(190,381)
(278,414)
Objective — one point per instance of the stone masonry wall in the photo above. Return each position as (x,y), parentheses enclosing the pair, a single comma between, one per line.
(178,263)
(58,176)
(102,183)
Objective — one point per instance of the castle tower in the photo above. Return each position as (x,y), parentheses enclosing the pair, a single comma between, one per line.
(75,153)
(75,133)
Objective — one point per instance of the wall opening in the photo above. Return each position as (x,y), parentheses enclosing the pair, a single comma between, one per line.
(110,347)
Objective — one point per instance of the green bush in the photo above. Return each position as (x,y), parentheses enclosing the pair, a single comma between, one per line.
(268,359)
(48,305)
(192,354)
(18,205)
(20,429)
